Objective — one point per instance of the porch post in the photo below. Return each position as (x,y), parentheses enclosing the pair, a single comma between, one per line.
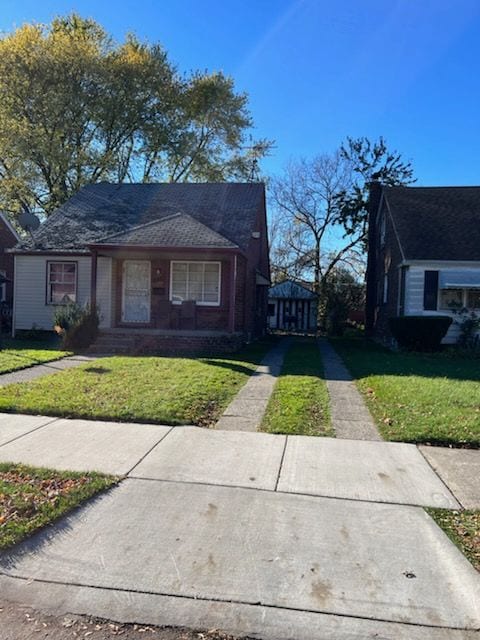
(93,281)
(233,294)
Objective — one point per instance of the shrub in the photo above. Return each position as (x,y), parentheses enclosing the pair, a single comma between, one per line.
(420,333)
(77,325)
(469,324)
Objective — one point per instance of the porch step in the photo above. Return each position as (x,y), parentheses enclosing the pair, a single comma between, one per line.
(155,342)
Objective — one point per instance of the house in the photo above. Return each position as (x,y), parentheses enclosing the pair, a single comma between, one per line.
(292,307)
(8,239)
(424,254)
(168,265)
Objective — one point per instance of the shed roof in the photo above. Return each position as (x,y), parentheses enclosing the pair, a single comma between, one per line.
(99,211)
(290,289)
(436,223)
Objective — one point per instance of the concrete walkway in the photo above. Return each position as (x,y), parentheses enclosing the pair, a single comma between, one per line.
(45,369)
(245,412)
(350,417)
(263,535)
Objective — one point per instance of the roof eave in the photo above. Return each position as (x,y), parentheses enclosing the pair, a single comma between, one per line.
(142,247)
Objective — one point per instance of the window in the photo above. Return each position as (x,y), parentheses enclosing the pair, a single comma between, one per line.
(199,281)
(451,299)
(473,299)
(383,228)
(3,287)
(61,282)
(271,309)
(385,288)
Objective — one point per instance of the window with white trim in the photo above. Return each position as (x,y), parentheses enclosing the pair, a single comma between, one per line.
(3,287)
(61,282)
(455,299)
(199,281)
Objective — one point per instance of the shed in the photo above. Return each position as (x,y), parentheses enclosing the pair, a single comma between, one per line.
(292,307)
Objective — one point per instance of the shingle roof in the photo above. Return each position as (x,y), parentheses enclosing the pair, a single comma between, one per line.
(179,230)
(436,223)
(101,210)
(290,289)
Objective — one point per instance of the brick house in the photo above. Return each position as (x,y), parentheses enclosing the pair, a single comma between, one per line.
(8,239)
(165,264)
(424,254)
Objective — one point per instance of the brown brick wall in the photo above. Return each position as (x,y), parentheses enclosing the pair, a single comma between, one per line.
(388,255)
(7,241)
(207,318)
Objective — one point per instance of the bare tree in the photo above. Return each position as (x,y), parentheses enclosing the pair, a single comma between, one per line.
(321,214)
(309,240)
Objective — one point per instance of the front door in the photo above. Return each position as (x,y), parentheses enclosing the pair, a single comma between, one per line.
(136,291)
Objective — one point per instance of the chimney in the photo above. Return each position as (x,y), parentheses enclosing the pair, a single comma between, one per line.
(375,195)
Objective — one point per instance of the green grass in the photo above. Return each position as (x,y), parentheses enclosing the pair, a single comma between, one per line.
(19,354)
(463,529)
(31,498)
(414,397)
(141,389)
(299,403)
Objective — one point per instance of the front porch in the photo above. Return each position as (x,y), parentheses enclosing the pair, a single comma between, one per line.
(169,291)
(145,341)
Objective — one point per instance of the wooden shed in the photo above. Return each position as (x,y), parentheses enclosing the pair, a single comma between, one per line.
(292,307)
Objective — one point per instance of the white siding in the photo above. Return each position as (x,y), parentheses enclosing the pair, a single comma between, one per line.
(30,307)
(104,291)
(414,285)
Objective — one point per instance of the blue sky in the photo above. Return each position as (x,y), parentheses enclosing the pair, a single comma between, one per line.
(317,71)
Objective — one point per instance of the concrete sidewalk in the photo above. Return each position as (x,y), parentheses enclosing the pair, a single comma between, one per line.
(245,412)
(262,535)
(351,418)
(44,369)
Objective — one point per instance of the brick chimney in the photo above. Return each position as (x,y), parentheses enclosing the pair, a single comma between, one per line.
(375,195)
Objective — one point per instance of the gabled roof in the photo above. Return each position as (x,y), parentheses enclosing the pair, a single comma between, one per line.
(102,210)
(179,230)
(436,223)
(4,218)
(290,289)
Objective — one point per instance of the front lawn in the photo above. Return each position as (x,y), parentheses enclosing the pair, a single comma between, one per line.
(414,397)
(19,354)
(31,498)
(299,403)
(139,389)
(463,529)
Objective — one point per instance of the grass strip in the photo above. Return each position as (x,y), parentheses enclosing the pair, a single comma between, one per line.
(463,529)
(299,404)
(18,354)
(160,390)
(31,498)
(431,398)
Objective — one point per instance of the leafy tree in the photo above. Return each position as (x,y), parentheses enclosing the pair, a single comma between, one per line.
(76,108)
(344,294)
(369,161)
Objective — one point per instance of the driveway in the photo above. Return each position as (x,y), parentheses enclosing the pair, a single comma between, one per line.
(256,534)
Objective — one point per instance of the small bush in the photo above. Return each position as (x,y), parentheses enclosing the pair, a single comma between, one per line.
(469,324)
(78,326)
(420,333)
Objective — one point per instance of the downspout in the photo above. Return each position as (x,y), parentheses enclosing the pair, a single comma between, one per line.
(233,294)
(93,282)
(14,291)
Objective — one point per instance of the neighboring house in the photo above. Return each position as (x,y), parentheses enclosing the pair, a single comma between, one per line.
(424,254)
(8,239)
(292,307)
(175,260)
